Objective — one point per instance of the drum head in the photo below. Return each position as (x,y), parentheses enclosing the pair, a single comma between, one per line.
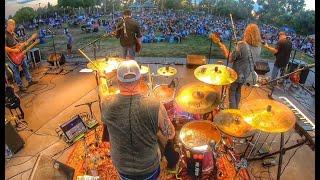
(196,135)
(164,93)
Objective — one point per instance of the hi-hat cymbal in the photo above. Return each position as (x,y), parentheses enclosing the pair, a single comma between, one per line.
(144,70)
(231,122)
(167,71)
(197,135)
(268,115)
(215,74)
(198,98)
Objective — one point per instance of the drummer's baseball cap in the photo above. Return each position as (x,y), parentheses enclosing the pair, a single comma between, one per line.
(128,71)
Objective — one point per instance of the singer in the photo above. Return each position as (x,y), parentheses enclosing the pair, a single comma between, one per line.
(129,35)
(133,121)
(282,53)
(248,48)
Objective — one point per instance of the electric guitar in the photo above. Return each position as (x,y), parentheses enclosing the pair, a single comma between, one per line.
(17,58)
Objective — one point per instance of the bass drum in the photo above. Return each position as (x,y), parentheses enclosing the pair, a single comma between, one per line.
(8,75)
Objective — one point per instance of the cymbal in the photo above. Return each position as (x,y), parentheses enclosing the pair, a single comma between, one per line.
(198,98)
(268,115)
(167,71)
(215,74)
(196,135)
(231,122)
(103,66)
(144,70)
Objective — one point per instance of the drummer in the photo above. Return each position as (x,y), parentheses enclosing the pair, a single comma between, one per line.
(133,121)
(249,46)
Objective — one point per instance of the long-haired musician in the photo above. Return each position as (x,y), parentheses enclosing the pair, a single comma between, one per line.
(245,49)
(11,42)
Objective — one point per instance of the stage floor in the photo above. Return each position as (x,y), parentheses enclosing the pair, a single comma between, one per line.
(51,102)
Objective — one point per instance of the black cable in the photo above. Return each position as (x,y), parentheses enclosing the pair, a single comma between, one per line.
(290,159)
(19,173)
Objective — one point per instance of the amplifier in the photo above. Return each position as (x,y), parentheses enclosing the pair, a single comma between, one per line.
(261,67)
(35,56)
(12,138)
(194,61)
(292,66)
(48,168)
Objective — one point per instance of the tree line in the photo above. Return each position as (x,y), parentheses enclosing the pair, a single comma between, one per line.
(291,13)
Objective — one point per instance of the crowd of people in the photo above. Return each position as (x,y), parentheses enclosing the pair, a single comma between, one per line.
(175,26)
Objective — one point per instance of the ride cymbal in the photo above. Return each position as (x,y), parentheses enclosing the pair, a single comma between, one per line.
(167,71)
(231,122)
(215,74)
(268,115)
(198,98)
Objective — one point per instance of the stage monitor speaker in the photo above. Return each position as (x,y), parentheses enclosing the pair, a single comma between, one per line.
(194,61)
(12,138)
(48,168)
(59,57)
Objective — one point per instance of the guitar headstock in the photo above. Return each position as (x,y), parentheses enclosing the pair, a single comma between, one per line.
(215,37)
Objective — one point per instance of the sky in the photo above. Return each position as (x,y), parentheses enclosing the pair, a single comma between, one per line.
(11,6)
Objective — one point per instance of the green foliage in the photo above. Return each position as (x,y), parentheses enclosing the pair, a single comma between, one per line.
(288,12)
(24,14)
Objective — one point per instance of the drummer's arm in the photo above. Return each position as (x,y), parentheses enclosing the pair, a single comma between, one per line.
(164,123)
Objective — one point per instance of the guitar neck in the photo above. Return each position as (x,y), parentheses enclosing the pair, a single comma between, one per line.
(30,47)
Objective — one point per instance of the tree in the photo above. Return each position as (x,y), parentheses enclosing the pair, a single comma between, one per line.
(24,14)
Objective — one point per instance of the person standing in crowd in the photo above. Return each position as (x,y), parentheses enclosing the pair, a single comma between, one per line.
(133,121)
(282,52)
(69,43)
(128,30)
(12,46)
(249,46)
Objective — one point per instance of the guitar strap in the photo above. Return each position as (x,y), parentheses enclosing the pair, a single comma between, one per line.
(251,61)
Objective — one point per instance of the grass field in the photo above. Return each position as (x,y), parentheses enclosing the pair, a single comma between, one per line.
(111,47)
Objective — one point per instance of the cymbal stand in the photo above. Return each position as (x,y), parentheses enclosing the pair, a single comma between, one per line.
(89,104)
(253,145)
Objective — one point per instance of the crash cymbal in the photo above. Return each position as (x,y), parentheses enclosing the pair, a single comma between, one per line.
(196,135)
(231,122)
(268,115)
(215,74)
(167,71)
(198,98)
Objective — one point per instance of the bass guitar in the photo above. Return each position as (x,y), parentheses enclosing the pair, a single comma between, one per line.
(17,58)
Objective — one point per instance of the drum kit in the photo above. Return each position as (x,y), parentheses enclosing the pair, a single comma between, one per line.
(205,144)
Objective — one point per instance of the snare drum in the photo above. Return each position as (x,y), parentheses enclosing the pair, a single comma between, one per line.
(195,137)
(164,93)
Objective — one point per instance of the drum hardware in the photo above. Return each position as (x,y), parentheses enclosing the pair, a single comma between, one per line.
(167,71)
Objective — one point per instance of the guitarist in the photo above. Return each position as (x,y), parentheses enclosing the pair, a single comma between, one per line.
(128,30)
(11,43)
(249,46)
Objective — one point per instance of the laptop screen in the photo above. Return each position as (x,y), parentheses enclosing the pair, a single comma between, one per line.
(73,128)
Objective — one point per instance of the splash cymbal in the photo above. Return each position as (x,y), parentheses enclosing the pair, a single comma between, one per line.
(215,74)
(198,98)
(268,115)
(231,122)
(167,71)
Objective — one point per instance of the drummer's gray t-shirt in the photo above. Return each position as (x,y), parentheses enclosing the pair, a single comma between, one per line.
(241,62)
(134,149)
